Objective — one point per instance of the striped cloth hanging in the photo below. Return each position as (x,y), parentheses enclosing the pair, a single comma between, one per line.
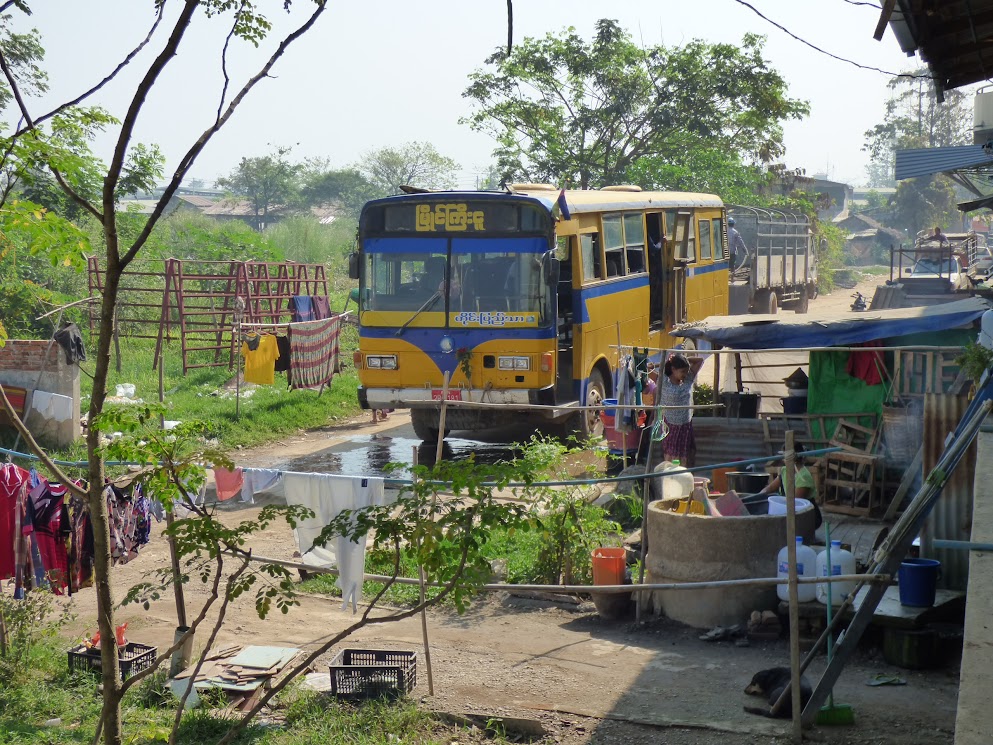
(313,352)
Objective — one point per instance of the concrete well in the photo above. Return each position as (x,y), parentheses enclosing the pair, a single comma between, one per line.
(699,548)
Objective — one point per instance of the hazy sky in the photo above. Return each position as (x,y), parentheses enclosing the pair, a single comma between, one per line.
(385,72)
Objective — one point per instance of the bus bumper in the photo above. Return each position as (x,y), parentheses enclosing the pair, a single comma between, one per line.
(427,398)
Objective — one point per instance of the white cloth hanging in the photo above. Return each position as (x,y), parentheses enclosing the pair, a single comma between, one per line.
(327,496)
(52,406)
(257,480)
(624,385)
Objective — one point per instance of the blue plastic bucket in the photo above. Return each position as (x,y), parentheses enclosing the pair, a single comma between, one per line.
(918,581)
(609,404)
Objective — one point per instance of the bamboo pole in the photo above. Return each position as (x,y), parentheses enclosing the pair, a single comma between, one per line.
(583,589)
(441,418)
(422,579)
(789,480)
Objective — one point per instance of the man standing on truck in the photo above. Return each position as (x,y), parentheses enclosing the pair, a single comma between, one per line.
(736,246)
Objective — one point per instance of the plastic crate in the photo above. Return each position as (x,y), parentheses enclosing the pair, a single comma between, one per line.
(373,673)
(132,659)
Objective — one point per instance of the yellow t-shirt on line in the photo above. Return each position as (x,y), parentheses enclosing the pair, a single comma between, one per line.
(260,363)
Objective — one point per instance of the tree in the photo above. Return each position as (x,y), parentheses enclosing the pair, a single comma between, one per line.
(346,187)
(921,203)
(703,169)
(29,142)
(269,183)
(562,109)
(415,164)
(914,118)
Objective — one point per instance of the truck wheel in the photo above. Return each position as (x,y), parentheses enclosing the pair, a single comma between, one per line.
(803,302)
(765,302)
(425,424)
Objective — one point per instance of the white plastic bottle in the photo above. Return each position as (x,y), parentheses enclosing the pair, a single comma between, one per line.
(806,566)
(842,562)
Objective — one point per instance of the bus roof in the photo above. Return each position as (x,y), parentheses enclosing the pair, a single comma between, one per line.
(593,200)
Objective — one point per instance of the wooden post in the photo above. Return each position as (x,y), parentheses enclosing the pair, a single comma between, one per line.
(424,613)
(239,309)
(789,481)
(441,419)
(162,391)
(617,412)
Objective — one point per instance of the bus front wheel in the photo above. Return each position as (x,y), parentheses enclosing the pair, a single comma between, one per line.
(425,424)
(586,424)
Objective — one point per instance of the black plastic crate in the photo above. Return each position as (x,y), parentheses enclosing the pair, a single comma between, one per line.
(373,673)
(132,659)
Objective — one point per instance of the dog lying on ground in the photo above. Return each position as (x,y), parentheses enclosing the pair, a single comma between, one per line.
(771,683)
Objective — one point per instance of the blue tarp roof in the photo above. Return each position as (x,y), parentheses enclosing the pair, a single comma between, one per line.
(793,331)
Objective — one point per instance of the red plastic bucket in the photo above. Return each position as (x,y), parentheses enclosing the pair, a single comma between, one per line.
(609,565)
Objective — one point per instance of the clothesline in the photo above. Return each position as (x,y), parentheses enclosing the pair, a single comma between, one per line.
(289,324)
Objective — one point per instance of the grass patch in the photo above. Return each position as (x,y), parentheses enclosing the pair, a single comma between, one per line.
(47,690)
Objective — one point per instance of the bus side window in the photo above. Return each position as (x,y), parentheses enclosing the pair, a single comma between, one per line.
(634,242)
(589,244)
(613,244)
(705,244)
(720,239)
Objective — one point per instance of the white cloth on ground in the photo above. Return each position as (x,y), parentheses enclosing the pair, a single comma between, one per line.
(52,406)
(327,495)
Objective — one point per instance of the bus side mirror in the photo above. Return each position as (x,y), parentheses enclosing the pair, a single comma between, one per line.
(553,270)
(353,266)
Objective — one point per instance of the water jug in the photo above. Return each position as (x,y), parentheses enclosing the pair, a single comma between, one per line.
(678,483)
(842,562)
(806,566)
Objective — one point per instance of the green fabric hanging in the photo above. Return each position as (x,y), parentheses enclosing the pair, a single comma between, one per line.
(833,391)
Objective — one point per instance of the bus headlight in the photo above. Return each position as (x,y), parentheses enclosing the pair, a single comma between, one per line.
(381,362)
(514,363)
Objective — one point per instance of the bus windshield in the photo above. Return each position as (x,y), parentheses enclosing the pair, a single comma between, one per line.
(473,281)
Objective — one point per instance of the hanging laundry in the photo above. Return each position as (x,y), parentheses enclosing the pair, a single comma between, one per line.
(12,482)
(302,308)
(867,366)
(322,307)
(625,387)
(81,549)
(228,483)
(327,495)
(283,361)
(313,352)
(52,406)
(71,341)
(48,523)
(258,480)
(260,363)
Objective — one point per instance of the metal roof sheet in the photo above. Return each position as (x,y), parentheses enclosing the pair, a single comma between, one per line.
(796,331)
(927,160)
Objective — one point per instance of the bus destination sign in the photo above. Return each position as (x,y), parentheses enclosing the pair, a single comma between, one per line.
(453,217)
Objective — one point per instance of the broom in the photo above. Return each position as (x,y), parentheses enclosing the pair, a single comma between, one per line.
(833,714)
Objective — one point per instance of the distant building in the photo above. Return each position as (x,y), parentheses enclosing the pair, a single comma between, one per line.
(868,242)
(835,197)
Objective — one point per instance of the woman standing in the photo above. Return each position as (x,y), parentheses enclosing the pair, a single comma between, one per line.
(676,390)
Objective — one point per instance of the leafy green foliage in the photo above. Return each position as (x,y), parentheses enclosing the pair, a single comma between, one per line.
(346,187)
(975,360)
(32,621)
(562,108)
(269,183)
(921,203)
(414,163)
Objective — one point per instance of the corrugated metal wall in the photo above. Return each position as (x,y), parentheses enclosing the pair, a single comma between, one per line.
(951,518)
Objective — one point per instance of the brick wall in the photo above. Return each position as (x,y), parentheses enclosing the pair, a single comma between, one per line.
(40,365)
(29,354)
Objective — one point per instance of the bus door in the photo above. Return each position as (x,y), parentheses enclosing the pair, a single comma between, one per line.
(566,253)
(683,253)
(657,270)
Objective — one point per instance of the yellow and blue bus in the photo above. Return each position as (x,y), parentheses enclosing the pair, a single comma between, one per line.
(523,296)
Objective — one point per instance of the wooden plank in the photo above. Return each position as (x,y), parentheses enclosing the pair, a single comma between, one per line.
(891,613)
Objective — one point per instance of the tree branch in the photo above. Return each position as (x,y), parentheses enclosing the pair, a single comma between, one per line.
(37,449)
(83,96)
(192,154)
(224,62)
(131,118)
(31,125)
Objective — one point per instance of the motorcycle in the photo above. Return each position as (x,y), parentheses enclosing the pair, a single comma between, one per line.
(859,305)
